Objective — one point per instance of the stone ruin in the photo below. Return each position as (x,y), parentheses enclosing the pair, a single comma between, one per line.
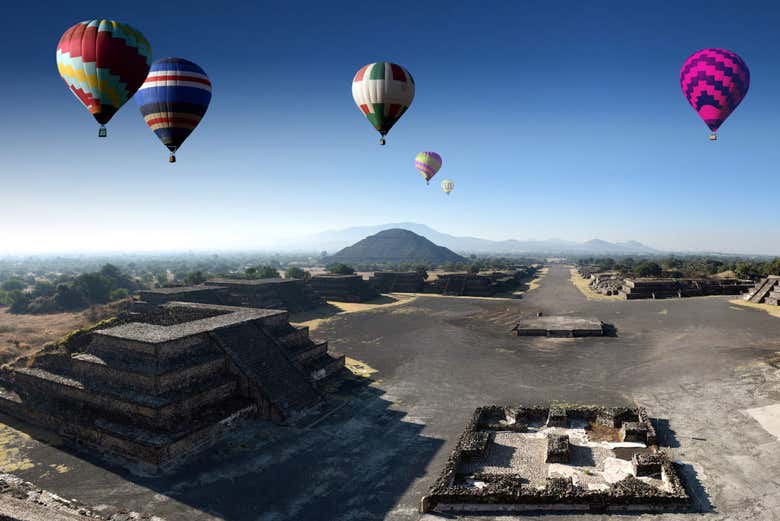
(463,285)
(290,294)
(397,282)
(563,326)
(766,291)
(453,284)
(22,501)
(665,288)
(156,387)
(557,458)
(343,288)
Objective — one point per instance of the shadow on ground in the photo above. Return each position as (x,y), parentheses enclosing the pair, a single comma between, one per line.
(667,438)
(355,463)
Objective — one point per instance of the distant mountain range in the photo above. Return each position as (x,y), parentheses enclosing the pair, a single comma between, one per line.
(334,240)
(395,246)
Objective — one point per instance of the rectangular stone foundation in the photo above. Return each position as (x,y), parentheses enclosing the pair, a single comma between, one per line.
(560,327)
(550,467)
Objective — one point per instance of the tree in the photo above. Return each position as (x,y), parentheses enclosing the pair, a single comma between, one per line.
(119,294)
(267,272)
(195,277)
(648,269)
(69,297)
(44,288)
(13,285)
(18,301)
(294,272)
(340,269)
(474,268)
(250,272)
(422,271)
(95,287)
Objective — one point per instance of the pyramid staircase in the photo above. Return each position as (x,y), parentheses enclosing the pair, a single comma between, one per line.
(767,291)
(155,394)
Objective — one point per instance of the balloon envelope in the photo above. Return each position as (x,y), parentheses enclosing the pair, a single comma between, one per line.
(103,63)
(714,81)
(448,186)
(427,163)
(383,91)
(173,99)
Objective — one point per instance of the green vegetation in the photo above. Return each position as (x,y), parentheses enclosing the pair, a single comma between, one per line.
(71,293)
(691,266)
(340,269)
(294,272)
(262,272)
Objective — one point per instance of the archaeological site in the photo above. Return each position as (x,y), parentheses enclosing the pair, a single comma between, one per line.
(563,458)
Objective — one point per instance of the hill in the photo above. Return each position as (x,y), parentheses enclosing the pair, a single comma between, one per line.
(334,240)
(395,246)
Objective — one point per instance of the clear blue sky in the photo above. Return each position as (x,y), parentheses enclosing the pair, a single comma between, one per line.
(555,119)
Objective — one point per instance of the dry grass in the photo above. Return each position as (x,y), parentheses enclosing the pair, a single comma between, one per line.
(22,335)
(772,310)
(314,319)
(583,285)
(537,279)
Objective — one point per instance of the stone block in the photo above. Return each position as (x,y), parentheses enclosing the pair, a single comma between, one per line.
(557,448)
(557,417)
(633,432)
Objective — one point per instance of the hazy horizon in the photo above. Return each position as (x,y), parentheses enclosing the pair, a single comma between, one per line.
(283,245)
(553,121)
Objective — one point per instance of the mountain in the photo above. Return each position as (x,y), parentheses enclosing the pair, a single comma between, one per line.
(395,246)
(334,240)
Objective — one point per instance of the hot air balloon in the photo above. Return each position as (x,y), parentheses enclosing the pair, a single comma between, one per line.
(173,99)
(427,163)
(714,81)
(383,91)
(103,62)
(448,186)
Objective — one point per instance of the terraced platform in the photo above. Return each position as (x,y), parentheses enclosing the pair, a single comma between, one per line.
(157,390)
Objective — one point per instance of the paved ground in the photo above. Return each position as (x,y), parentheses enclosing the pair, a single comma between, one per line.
(697,364)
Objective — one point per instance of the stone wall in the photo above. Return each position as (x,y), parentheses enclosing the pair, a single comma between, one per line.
(511,491)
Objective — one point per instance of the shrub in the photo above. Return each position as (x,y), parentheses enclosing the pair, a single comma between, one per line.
(119,294)
(340,269)
(13,285)
(294,272)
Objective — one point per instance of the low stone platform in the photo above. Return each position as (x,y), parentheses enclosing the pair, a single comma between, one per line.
(397,281)
(580,466)
(158,387)
(561,327)
(343,288)
(288,294)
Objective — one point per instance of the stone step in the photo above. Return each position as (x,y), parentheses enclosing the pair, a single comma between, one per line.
(266,367)
(148,378)
(305,352)
(324,366)
(147,409)
(292,337)
(153,448)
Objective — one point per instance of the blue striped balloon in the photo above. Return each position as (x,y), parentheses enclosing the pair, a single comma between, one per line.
(173,100)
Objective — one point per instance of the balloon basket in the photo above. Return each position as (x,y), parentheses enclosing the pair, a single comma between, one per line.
(102,132)
(713,137)
(172,158)
(382,141)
